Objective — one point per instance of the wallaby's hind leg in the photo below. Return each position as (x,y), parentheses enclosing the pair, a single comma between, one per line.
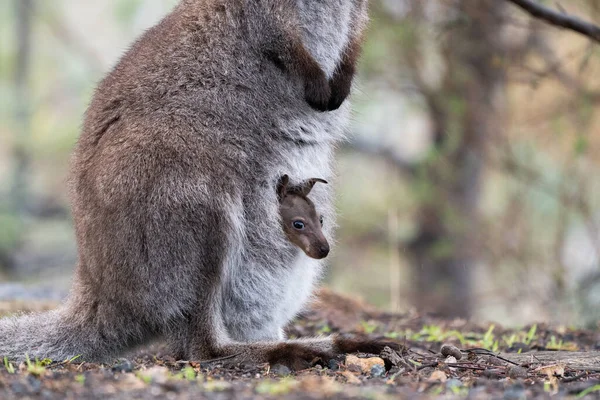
(296,354)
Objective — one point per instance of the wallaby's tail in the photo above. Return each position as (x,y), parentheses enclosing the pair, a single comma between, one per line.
(55,334)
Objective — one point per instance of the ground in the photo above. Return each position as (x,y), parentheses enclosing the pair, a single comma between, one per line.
(441,358)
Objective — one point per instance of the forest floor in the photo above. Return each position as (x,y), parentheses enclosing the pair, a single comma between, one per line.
(478,362)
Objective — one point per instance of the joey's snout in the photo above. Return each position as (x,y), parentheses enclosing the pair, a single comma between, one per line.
(323,250)
(318,250)
(312,242)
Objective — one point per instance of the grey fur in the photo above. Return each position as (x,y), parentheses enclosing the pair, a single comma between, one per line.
(172,188)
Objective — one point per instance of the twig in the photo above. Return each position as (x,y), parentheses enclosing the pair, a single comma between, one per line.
(213,360)
(487,352)
(561,20)
(463,366)
(574,378)
(422,366)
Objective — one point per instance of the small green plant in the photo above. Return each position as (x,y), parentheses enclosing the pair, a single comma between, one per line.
(530,335)
(554,344)
(147,379)
(368,327)
(8,365)
(488,339)
(436,390)
(459,391)
(509,340)
(592,389)
(276,388)
(70,360)
(415,363)
(217,386)
(325,329)
(188,373)
(80,378)
(44,362)
(36,368)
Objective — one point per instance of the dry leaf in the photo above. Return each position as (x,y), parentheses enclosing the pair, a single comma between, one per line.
(351,378)
(438,376)
(551,370)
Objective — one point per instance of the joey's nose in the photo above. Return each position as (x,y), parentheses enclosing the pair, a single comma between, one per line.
(323,250)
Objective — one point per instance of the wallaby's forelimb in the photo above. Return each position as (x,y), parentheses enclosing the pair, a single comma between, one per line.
(341,82)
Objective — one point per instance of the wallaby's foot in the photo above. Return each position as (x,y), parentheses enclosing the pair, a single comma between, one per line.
(297,356)
(317,91)
(344,345)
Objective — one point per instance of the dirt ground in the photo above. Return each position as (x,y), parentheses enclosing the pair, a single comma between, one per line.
(441,359)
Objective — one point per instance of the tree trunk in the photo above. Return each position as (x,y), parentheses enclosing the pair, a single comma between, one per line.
(464,112)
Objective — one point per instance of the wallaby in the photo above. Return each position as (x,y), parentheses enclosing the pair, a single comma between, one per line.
(299,218)
(172,186)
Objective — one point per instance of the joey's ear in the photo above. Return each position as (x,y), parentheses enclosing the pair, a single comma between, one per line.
(307,185)
(282,187)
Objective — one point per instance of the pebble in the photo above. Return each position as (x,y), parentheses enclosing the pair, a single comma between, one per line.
(377,371)
(449,350)
(514,372)
(123,365)
(280,370)
(492,373)
(333,365)
(364,364)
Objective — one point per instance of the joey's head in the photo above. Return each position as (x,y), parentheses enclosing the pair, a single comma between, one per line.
(301,222)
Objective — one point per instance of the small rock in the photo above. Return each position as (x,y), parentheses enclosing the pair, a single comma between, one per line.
(451,360)
(492,373)
(333,364)
(364,364)
(492,360)
(449,350)
(123,365)
(281,370)
(377,371)
(515,372)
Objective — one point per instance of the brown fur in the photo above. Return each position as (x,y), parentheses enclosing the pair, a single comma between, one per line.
(341,82)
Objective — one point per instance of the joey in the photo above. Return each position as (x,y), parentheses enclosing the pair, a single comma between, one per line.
(301,222)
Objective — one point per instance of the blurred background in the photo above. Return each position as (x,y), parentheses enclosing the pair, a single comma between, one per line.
(469,186)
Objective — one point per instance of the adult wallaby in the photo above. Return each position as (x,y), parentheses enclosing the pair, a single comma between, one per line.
(301,222)
(172,185)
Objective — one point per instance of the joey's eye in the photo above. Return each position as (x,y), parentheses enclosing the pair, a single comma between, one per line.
(321,220)
(298,224)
